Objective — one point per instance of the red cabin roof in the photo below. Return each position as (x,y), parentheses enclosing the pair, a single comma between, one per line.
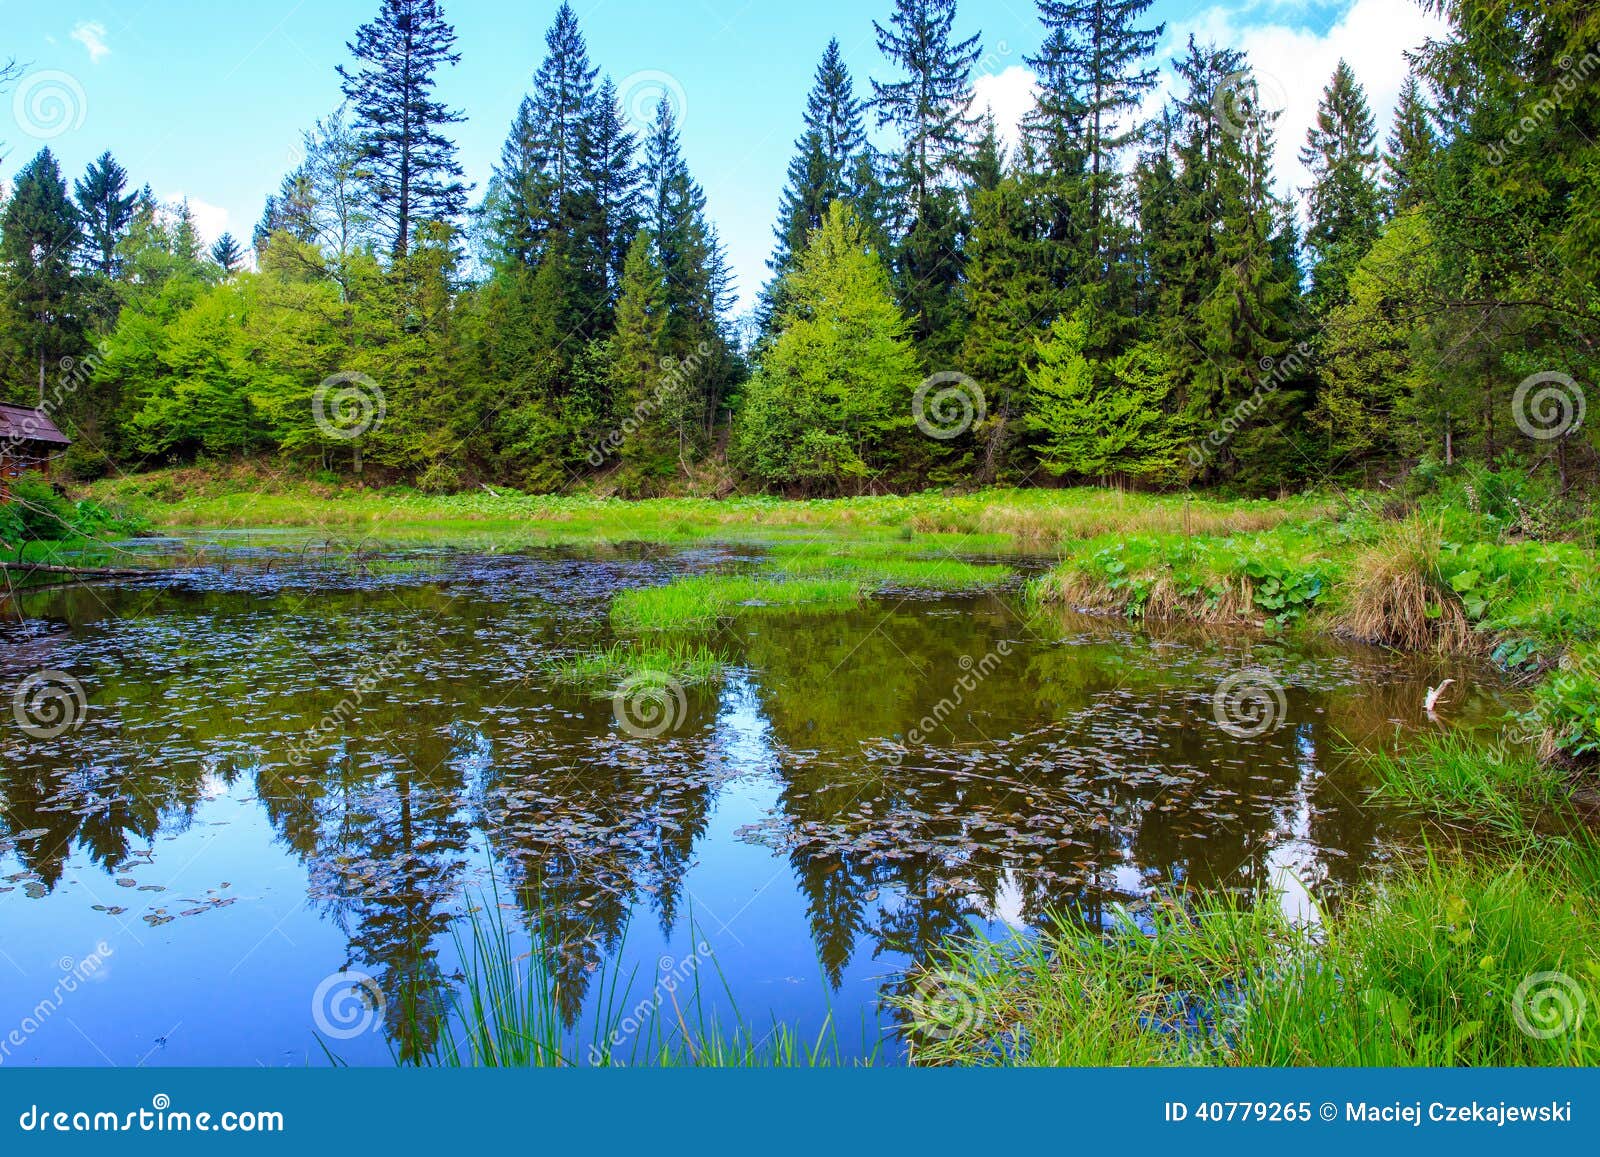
(25,424)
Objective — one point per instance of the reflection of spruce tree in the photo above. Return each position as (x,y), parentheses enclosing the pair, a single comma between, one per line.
(578,889)
(104,811)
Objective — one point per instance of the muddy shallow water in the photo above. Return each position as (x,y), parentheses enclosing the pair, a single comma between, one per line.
(293,767)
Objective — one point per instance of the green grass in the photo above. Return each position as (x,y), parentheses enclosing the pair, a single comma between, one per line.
(702,601)
(1499,786)
(994,521)
(881,566)
(684,663)
(506,1011)
(1431,967)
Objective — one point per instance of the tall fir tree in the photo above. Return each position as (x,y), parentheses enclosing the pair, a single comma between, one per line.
(1409,149)
(541,166)
(609,194)
(409,168)
(1009,298)
(1344,205)
(1094,70)
(39,236)
(105,208)
(930,106)
(825,167)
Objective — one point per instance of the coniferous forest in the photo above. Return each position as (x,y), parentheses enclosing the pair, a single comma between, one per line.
(1122,296)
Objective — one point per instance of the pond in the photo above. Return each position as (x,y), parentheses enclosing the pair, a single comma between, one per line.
(273,784)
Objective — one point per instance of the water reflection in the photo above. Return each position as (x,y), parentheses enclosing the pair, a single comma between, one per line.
(865,785)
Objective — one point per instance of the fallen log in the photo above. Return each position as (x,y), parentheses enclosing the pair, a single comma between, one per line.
(75,571)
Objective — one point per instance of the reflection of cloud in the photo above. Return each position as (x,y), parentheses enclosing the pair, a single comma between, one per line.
(92,35)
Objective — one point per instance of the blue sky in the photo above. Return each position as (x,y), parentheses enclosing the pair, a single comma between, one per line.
(207,99)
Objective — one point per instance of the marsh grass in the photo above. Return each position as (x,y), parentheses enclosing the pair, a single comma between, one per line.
(1497,786)
(881,566)
(702,601)
(1397,594)
(506,1011)
(1430,967)
(685,663)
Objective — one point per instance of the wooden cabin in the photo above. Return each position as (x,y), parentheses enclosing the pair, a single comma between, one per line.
(29,442)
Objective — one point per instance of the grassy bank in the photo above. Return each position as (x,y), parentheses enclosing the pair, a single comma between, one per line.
(1004,520)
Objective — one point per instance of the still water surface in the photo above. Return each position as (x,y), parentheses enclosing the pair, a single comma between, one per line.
(295,764)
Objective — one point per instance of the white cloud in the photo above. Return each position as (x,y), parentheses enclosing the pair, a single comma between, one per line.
(92,35)
(210,221)
(1294,64)
(1009,95)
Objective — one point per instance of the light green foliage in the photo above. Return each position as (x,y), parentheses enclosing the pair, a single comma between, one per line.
(1098,415)
(836,387)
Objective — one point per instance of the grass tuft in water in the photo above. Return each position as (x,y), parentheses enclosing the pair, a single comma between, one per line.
(886,567)
(687,664)
(506,1011)
(701,601)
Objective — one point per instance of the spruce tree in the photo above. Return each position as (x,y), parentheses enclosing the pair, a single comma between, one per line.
(826,155)
(1094,70)
(609,200)
(105,210)
(38,237)
(1409,151)
(226,253)
(1009,298)
(930,107)
(1344,204)
(541,166)
(409,168)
